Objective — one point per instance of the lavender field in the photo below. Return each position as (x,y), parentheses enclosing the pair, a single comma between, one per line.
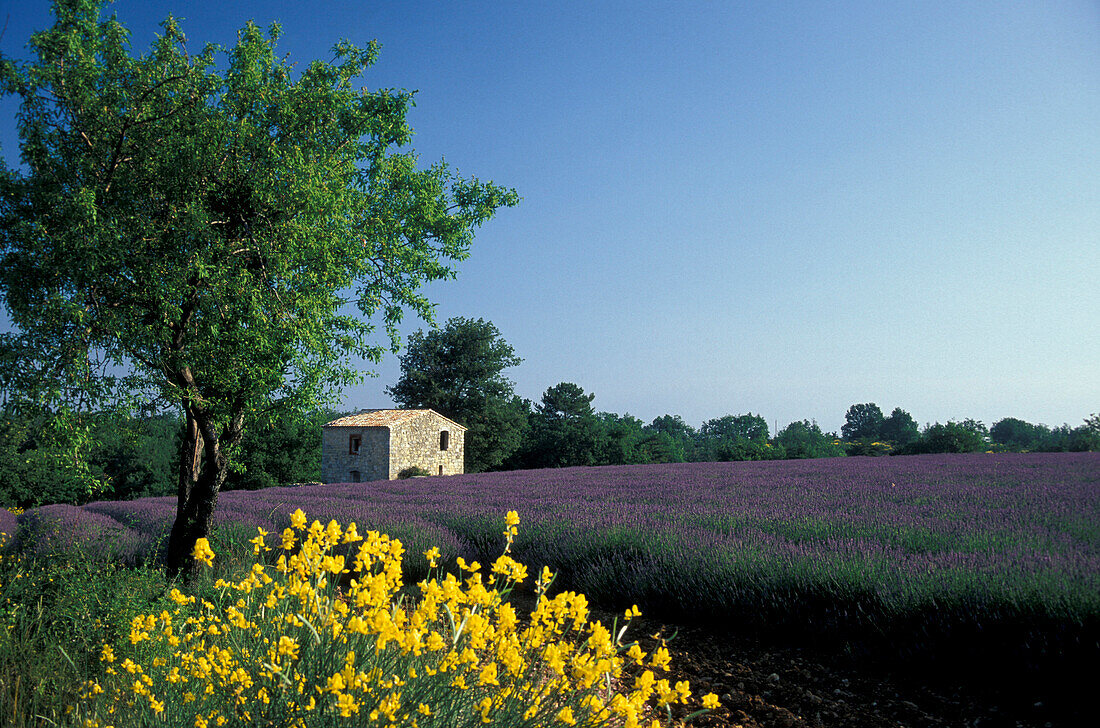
(880,544)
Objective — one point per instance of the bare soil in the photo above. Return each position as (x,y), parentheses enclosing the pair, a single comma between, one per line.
(762,683)
(768,686)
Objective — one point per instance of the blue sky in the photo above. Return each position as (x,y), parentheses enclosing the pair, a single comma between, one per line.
(782,208)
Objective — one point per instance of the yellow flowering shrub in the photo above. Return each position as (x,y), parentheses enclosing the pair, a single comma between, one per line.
(4,538)
(327,635)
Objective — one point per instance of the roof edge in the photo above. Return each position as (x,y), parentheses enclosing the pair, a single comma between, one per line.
(421,410)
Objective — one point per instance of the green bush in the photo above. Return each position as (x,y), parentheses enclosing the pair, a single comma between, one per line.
(55,614)
(806,440)
(953,437)
(865,447)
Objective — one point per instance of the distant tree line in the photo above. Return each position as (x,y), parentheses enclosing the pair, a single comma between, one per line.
(457,370)
(867,432)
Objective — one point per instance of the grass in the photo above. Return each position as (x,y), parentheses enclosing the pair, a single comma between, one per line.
(60,608)
(56,614)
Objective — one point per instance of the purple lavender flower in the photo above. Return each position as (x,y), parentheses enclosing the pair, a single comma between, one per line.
(904,533)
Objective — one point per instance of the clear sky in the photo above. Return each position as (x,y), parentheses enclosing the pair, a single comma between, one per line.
(777,207)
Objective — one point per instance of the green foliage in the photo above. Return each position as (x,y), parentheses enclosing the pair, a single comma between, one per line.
(741,437)
(1088,435)
(658,447)
(43,458)
(862,422)
(136,455)
(1017,435)
(669,440)
(54,616)
(899,428)
(741,427)
(190,225)
(1077,439)
(1009,434)
(871,448)
(565,401)
(621,440)
(458,372)
(414,471)
(806,440)
(1092,423)
(867,432)
(564,430)
(115,456)
(953,437)
(284,449)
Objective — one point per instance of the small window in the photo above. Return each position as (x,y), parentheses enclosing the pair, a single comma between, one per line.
(444,440)
(441,470)
(355,478)
(354,442)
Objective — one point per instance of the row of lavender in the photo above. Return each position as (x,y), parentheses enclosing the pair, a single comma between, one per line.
(863,539)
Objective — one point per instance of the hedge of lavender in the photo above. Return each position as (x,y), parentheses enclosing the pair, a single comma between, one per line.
(880,544)
(8,522)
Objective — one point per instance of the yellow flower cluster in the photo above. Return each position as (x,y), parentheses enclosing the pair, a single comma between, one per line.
(4,538)
(329,632)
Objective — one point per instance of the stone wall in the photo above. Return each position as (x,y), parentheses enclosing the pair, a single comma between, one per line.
(372,462)
(416,444)
(385,451)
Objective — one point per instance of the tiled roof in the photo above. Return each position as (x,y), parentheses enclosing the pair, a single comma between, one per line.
(385,418)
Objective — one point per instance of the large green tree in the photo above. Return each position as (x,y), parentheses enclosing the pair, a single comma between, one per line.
(191,228)
(899,428)
(805,439)
(862,422)
(953,437)
(735,437)
(1016,434)
(670,440)
(621,439)
(736,427)
(565,430)
(458,371)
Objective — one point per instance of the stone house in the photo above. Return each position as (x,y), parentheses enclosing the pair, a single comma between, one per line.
(379,444)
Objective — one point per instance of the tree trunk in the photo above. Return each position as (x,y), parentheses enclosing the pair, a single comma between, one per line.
(190,460)
(203,469)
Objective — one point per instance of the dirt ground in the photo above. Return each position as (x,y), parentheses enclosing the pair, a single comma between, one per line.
(764,686)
